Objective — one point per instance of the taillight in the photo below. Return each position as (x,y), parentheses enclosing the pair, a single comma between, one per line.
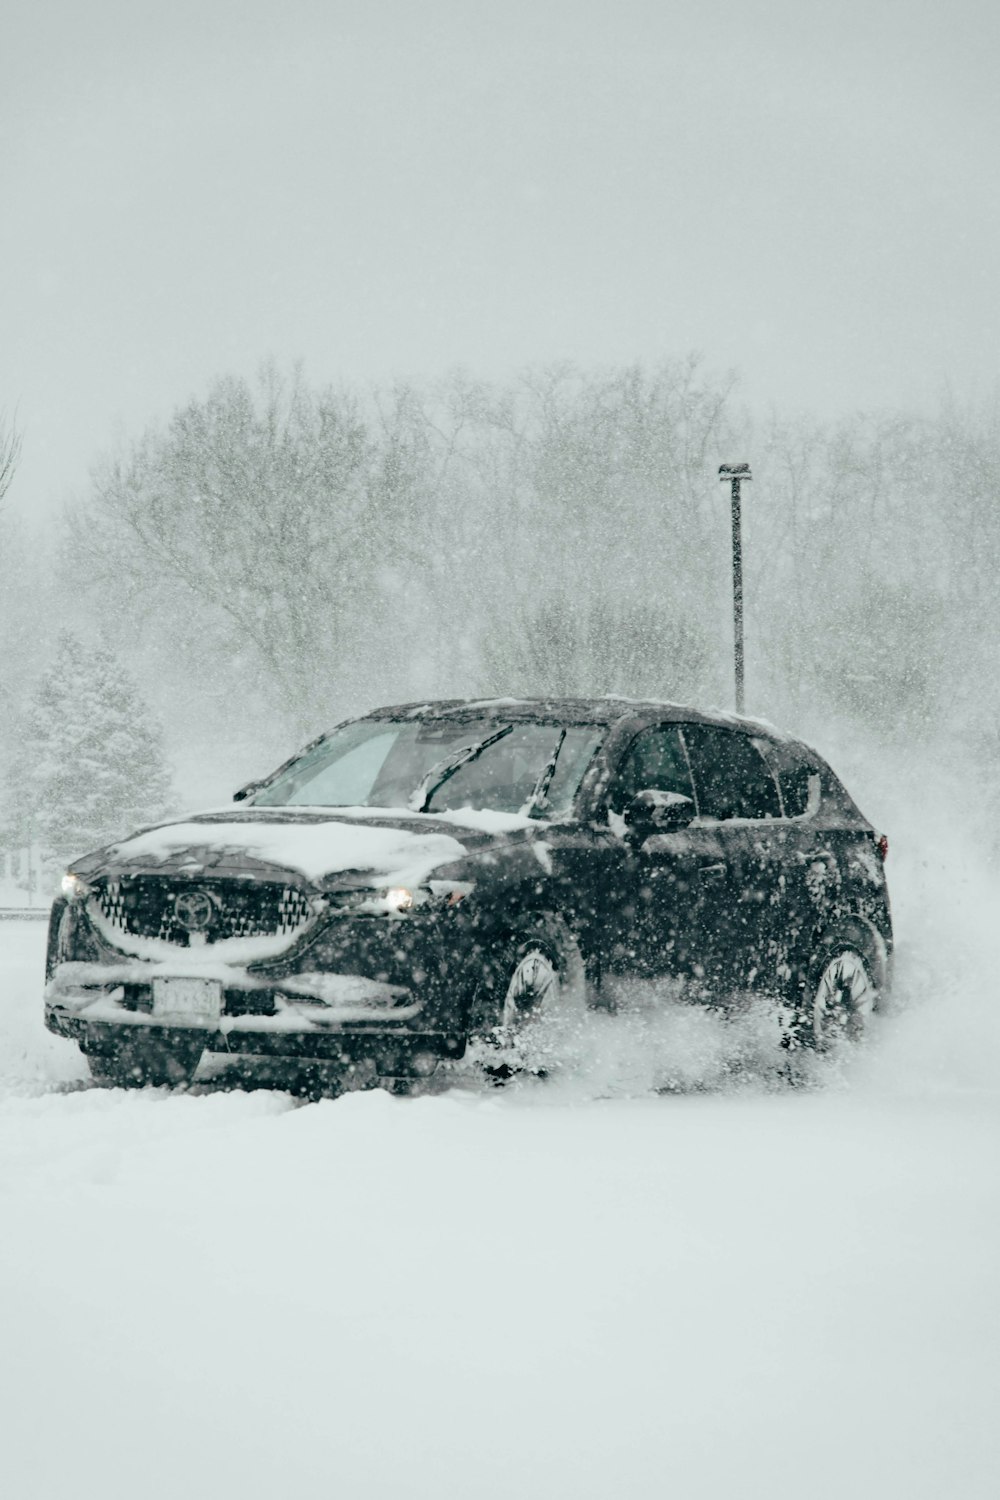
(882,845)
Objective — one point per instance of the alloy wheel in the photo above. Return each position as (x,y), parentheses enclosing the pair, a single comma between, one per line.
(844,1000)
(533,981)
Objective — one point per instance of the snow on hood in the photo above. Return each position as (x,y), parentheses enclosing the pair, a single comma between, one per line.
(313,849)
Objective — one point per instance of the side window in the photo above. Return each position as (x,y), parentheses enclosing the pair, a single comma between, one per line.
(798,777)
(731,776)
(655,760)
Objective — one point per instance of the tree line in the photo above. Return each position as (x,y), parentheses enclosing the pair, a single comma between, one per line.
(276,555)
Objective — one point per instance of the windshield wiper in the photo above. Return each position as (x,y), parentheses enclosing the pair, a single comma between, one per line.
(540,795)
(445,769)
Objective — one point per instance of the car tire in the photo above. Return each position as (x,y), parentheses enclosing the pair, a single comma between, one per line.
(533,989)
(842,988)
(145,1061)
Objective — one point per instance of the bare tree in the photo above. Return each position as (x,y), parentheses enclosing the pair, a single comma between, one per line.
(10,452)
(261,513)
(562,531)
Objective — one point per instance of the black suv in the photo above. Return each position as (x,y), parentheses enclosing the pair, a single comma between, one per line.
(440,872)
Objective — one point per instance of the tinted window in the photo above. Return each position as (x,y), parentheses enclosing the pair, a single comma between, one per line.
(655,761)
(798,777)
(808,785)
(731,777)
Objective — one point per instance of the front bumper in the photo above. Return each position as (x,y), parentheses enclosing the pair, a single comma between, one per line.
(98,1018)
(352,990)
(390,1053)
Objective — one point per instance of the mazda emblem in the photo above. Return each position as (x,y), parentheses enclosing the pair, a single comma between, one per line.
(194,910)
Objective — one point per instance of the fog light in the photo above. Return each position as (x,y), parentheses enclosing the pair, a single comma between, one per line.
(398,898)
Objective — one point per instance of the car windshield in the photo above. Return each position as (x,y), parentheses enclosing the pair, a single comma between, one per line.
(385,763)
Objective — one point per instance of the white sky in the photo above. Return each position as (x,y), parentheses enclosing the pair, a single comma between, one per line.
(804,192)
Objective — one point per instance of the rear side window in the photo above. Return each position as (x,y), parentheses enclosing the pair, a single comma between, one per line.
(731,777)
(798,777)
(808,786)
(798,784)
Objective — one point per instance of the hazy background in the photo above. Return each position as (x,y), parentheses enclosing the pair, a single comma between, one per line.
(805,193)
(494,237)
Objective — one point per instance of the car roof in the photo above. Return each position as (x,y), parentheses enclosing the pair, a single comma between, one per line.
(604,711)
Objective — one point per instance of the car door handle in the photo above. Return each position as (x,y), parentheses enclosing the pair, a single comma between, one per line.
(712,872)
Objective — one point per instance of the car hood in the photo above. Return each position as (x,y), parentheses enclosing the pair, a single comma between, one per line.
(319,846)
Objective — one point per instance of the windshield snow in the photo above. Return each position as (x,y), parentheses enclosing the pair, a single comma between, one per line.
(381,763)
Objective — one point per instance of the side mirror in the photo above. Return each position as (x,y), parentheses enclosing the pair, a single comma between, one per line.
(652,812)
(247,791)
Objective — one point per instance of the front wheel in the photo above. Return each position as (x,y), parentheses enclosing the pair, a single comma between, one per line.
(138,1062)
(528,1002)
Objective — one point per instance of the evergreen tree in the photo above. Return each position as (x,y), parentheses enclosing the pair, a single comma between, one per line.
(90,764)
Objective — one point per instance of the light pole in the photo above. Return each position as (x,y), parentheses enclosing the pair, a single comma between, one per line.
(735,474)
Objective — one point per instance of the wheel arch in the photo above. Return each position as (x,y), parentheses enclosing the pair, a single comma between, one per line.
(515,927)
(858,932)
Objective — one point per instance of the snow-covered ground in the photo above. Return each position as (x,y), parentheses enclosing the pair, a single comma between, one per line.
(580,1288)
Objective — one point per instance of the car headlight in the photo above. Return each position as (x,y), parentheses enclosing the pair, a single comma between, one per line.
(436,893)
(397,900)
(73,888)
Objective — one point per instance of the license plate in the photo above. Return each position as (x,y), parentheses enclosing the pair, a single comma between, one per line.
(187,999)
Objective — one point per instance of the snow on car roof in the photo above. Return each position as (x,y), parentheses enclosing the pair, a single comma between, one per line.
(607,710)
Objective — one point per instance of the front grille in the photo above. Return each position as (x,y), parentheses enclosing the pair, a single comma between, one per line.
(151,907)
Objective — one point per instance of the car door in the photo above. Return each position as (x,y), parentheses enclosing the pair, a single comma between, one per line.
(739,804)
(667,894)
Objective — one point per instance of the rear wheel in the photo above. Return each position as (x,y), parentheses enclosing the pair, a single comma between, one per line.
(844,1000)
(842,989)
(134,1063)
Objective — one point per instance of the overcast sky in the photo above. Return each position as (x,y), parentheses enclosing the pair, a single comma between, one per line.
(805,192)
